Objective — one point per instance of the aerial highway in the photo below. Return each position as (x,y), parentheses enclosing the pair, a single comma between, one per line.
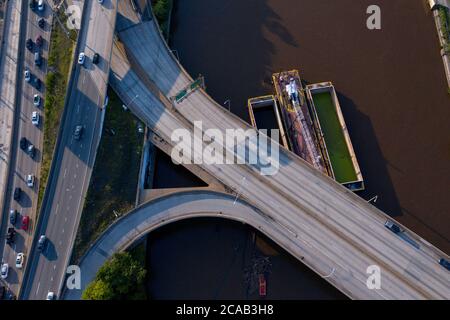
(74,159)
(22,164)
(157,213)
(336,232)
(328,228)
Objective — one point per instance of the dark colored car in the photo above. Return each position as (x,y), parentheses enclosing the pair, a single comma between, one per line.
(41,243)
(96,58)
(32,4)
(29,44)
(37,83)
(445,263)
(23,143)
(10,235)
(78,132)
(17,193)
(393,227)
(41,23)
(39,41)
(2,292)
(25,222)
(12,216)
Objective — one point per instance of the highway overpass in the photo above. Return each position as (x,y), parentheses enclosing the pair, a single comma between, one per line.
(332,228)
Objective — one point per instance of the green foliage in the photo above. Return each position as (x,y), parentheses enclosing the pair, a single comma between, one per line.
(119,278)
(161,9)
(59,62)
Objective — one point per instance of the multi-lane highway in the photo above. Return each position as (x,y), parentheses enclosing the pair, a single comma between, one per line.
(74,159)
(22,164)
(335,232)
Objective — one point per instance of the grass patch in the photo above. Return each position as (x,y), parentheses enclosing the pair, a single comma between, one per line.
(59,65)
(334,137)
(162,10)
(112,190)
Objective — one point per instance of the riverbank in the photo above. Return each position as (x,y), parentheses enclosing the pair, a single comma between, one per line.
(442,20)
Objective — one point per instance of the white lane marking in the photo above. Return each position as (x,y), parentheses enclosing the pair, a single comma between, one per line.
(51,279)
(75,176)
(65,172)
(37,290)
(78,108)
(54,266)
(62,230)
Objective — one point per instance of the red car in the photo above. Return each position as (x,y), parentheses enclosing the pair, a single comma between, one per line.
(262,286)
(25,222)
(39,41)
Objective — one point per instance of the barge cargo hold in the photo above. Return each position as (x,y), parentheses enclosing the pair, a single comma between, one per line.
(330,125)
(265,104)
(299,126)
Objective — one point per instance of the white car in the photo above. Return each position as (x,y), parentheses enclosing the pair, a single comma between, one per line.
(27,75)
(51,295)
(4,271)
(36,100)
(41,5)
(19,260)
(81,58)
(35,117)
(30,180)
(100,1)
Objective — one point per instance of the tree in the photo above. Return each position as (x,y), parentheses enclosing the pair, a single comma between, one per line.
(98,290)
(119,278)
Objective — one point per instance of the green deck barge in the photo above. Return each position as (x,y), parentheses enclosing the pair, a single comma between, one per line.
(330,124)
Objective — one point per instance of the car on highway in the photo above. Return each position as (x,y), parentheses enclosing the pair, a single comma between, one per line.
(30,180)
(41,5)
(393,227)
(27,75)
(37,83)
(29,44)
(17,193)
(12,216)
(25,223)
(35,118)
(32,4)
(4,271)
(78,132)
(37,58)
(41,23)
(39,40)
(96,58)
(51,296)
(41,243)
(10,235)
(31,150)
(19,260)
(23,143)
(445,263)
(81,58)
(36,100)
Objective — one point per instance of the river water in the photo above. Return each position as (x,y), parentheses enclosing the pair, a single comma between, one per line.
(393,95)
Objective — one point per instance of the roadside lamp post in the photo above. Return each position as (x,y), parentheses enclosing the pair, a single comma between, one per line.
(228,104)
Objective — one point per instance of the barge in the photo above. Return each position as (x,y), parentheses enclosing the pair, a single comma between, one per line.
(299,126)
(263,104)
(332,132)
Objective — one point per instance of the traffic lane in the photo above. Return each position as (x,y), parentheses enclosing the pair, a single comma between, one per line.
(68,196)
(98,42)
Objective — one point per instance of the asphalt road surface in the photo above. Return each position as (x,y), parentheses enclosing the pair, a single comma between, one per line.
(75,158)
(21,163)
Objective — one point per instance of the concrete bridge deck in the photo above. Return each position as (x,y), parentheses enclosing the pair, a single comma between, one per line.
(320,222)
